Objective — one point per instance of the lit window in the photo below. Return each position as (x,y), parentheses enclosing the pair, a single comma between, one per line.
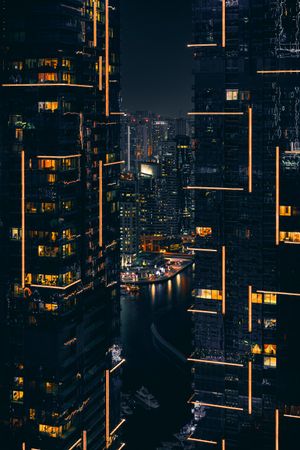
(48,62)
(31,208)
(270,349)
(232,94)
(289,236)
(32,414)
(256,349)
(51,431)
(16,234)
(48,207)
(285,210)
(47,106)
(210,294)
(51,307)
(270,299)
(19,134)
(19,381)
(47,77)
(67,205)
(48,252)
(270,361)
(270,323)
(203,231)
(256,298)
(49,164)
(50,388)
(51,178)
(17,396)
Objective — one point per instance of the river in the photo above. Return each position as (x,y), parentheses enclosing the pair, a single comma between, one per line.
(148,364)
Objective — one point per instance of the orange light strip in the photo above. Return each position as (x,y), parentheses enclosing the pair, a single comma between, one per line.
(291,416)
(107,409)
(266,72)
(277,429)
(208,250)
(84,440)
(114,163)
(250,150)
(122,446)
(220,363)
(201,440)
(76,443)
(23,446)
(62,288)
(100,204)
(277,195)
(117,427)
(23,222)
(77,155)
(279,293)
(250,309)
(223,444)
(118,113)
(250,387)
(292,152)
(118,365)
(107,58)
(201,311)
(223,280)
(95,22)
(215,113)
(211,405)
(223,23)
(212,188)
(201,45)
(87,86)
(100,73)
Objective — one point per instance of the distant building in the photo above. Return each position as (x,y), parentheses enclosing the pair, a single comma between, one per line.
(129,217)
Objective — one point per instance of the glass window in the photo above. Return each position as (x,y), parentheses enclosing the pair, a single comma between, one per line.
(270,349)
(48,207)
(232,94)
(51,307)
(47,106)
(50,430)
(270,361)
(48,252)
(289,236)
(47,77)
(16,234)
(48,164)
(203,231)
(256,349)
(17,396)
(270,299)
(285,210)
(256,298)
(270,323)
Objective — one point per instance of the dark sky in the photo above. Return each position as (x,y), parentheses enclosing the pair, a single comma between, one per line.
(156,65)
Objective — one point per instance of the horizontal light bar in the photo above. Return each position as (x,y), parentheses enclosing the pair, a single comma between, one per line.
(117,427)
(212,405)
(212,188)
(279,293)
(87,86)
(118,114)
(215,113)
(202,311)
(291,243)
(201,249)
(292,152)
(291,416)
(113,163)
(219,363)
(118,365)
(55,287)
(201,45)
(77,155)
(269,72)
(202,440)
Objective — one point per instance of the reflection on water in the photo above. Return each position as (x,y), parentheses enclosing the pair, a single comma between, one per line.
(164,305)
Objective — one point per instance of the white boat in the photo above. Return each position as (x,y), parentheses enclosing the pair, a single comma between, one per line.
(147,399)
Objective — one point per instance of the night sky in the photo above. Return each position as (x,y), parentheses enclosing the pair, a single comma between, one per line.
(156,65)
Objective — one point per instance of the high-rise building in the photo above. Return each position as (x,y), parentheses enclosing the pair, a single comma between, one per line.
(129,218)
(245,313)
(59,283)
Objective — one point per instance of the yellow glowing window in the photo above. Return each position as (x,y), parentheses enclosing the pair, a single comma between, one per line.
(67,250)
(256,298)
(50,388)
(19,134)
(48,252)
(51,307)
(256,349)
(66,63)
(47,77)
(270,349)
(232,94)
(289,236)
(270,299)
(17,396)
(210,294)
(51,178)
(285,210)
(51,431)
(67,278)
(67,77)
(48,62)
(48,280)
(48,164)
(16,234)
(67,205)
(47,106)
(28,278)
(204,231)
(48,207)
(31,208)
(270,361)
(32,414)
(67,234)
(19,381)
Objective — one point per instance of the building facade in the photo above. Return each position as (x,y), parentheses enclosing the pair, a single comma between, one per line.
(246,113)
(60,225)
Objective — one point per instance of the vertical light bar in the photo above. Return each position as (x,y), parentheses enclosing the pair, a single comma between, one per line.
(223,23)
(277,193)
(250,387)
(223,280)
(23,225)
(107,409)
(100,204)
(250,309)
(128,147)
(84,440)
(23,446)
(277,429)
(250,150)
(223,444)
(107,57)
(100,73)
(95,22)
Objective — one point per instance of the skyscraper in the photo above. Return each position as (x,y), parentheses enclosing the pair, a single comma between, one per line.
(246,306)
(59,225)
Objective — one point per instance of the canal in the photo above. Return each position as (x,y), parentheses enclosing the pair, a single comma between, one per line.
(150,364)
